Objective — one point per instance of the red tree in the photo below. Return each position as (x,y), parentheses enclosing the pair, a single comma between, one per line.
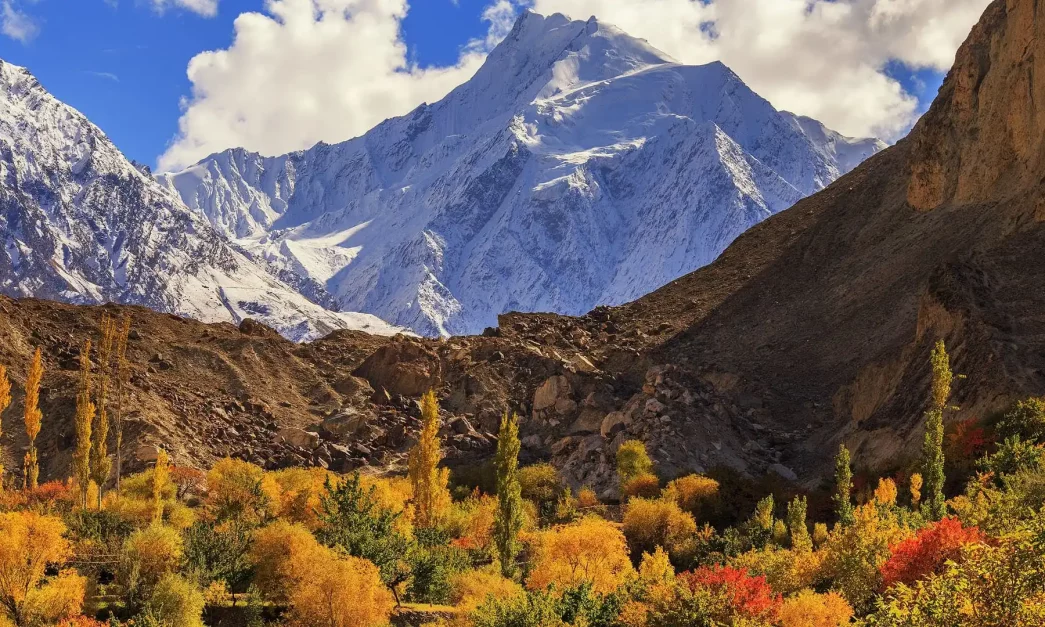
(748,597)
(927,551)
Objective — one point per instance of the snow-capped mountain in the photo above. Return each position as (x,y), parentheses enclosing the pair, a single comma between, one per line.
(80,223)
(578,167)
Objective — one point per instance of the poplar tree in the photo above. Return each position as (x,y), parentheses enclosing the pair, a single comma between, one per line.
(843,487)
(430,492)
(33,417)
(84,418)
(796,524)
(508,521)
(5,402)
(101,464)
(160,475)
(932,447)
(123,375)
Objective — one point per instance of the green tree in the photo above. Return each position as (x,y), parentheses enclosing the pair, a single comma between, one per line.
(84,419)
(932,447)
(632,461)
(760,526)
(352,519)
(33,418)
(508,521)
(843,487)
(796,524)
(101,463)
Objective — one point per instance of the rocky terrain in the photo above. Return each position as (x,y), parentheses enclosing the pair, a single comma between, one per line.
(814,327)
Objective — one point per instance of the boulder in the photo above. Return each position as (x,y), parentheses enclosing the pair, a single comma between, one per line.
(590,421)
(345,423)
(299,437)
(550,391)
(403,367)
(614,423)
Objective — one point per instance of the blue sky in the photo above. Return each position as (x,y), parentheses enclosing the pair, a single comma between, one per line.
(123,63)
(124,66)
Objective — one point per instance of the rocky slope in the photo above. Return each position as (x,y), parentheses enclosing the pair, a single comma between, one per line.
(80,223)
(578,167)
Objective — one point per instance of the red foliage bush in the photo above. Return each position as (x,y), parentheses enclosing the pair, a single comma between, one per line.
(927,551)
(748,597)
(967,439)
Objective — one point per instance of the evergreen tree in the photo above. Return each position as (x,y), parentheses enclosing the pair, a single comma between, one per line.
(796,524)
(431,496)
(123,375)
(843,487)
(5,402)
(508,521)
(932,447)
(33,417)
(84,418)
(101,464)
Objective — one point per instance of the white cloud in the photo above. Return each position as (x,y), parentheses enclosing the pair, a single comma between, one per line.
(206,8)
(312,70)
(17,24)
(305,71)
(822,58)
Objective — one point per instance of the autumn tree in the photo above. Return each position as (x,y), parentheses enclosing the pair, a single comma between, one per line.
(339,591)
(101,464)
(123,375)
(160,478)
(809,609)
(509,519)
(915,489)
(5,401)
(649,523)
(591,551)
(29,544)
(843,486)
(928,551)
(84,419)
(431,496)
(240,491)
(147,556)
(760,526)
(932,447)
(693,493)
(33,417)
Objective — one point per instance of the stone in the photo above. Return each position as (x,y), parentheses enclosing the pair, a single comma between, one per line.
(345,423)
(550,391)
(565,406)
(299,437)
(613,423)
(589,421)
(653,407)
(461,426)
(784,472)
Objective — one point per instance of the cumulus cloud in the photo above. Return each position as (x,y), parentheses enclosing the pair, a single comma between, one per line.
(17,24)
(306,71)
(821,58)
(206,8)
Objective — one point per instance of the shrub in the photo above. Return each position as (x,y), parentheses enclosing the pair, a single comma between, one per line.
(632,461)
(471,588)
(1026,420)
(649,523)
(300,490)
(432,569)
(148,555)
(591,551)
(277,554)
(176,602)
(645,485)
(336,591)
(238,490)
(927,551)
(693,493)
(540,484)
(713,596)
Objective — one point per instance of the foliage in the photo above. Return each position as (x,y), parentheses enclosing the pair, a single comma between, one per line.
(717,595)
(33,418)
(1013,456)
(148,555)
(1025,420)
(797,528)
(809,609)
(101,464)
(29,543)
(83,421)
(176,602)
(927,551)
(351,519)
(649,523)
(431,496)
(509,519)
(339,591)
(238,490)
(470,588)
(644,485)
(5,400)
(218,554)
(843,487)
(591,551)
(276,555)
(632,461)
(854,555)
(300,491)
(932,447)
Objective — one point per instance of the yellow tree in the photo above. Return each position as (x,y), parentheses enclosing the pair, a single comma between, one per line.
(123,375)
(32,420)
(84,418)
(29,543)
(160,475)
(5,401)
(101,465)
(932,447)
(431,496)
(591,551)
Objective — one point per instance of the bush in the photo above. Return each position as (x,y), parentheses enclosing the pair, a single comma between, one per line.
(649,523)
(148,555)
(240,491)
(632,461)
(176,602)
(926,552)
(1025,420)
(336,591)
(433,569)
(277,555)
(693,493)
(645,485)
(471,588)
(809,609)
